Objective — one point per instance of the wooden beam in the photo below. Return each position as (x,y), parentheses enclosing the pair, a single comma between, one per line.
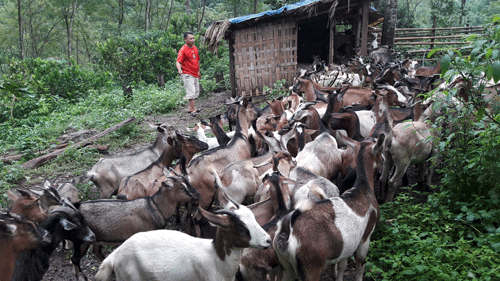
(232,72)
(431,43)
(364,29)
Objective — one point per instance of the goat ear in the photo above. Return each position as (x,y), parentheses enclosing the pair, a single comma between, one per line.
(380,142)
(24,193)
(46,184)
(152,126)
(37,192)
(170,141)
(67,225)
(222,220)
(226,202)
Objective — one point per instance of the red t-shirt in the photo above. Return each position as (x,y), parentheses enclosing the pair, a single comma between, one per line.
(189,59)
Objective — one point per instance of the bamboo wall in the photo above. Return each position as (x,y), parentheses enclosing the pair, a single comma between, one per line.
(264,54)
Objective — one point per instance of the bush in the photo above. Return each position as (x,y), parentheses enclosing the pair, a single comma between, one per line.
(49,81)
(429,241)
(140,58)
(471,138)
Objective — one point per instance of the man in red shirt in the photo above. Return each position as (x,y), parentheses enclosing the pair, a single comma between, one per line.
(188,67)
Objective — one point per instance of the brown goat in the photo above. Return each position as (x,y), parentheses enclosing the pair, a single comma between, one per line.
(139,184)
(27,205)
(17,234)
(200,170)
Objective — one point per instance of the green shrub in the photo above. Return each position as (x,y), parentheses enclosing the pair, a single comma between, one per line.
(470,144)
(430,241)
(140,58)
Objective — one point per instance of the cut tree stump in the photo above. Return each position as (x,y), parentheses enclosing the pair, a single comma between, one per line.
(37,162)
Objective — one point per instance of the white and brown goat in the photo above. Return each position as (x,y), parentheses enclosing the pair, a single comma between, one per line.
(168,254)
(332,230)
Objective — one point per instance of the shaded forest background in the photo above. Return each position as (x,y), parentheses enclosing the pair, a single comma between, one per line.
(74,29)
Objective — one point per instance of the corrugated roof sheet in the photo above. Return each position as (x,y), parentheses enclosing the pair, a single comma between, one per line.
(285,8)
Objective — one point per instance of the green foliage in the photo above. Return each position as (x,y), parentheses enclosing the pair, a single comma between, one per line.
(48,82)
(211,64)
(280,88)
(430,241)
(140,58)
(471,137)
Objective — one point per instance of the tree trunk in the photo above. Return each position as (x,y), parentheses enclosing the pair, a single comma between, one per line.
(390,22)
(169,14)
(146,15)
(69,18)
(462,14)
(20,21)
(121,16)
(255,6)
(188,7)
(202,15)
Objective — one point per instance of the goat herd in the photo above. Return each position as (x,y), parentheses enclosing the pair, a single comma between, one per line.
(310,163)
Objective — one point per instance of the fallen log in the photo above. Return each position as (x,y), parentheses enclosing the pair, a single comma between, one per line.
(37,162)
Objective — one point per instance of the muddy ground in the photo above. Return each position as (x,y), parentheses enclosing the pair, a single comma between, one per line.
(60,267)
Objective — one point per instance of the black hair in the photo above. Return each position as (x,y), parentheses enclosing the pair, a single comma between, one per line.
(187,33)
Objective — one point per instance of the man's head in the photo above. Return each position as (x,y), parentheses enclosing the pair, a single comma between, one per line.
(189,38)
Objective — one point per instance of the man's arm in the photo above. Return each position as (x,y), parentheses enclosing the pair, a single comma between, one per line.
(179,67)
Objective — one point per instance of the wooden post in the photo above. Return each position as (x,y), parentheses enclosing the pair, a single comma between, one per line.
(232,71)
(364,29)
(433,32)
(331,52)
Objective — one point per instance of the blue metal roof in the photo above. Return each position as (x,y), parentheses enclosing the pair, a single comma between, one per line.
(273,12)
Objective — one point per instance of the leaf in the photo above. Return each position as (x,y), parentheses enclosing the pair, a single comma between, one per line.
(432,53)
(445,63)
(496,71)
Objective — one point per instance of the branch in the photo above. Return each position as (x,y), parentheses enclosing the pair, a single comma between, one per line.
(36,162)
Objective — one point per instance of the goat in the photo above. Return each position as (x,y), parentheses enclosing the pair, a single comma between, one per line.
(381,55)
(306,86)
(242,179)
(407,144)
(168,254)
(63,223)
(331,230)
(114,221)
(321,156)
(17,234)
(139,184)
(255,264)
(215,160)
(200,129)
(217,128)
(108,173)
(428,70)
(27,205)
(143,183)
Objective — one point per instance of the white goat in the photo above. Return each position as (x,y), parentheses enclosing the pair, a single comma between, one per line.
(173,255)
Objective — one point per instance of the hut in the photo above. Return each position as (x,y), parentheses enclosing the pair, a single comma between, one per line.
(267,47)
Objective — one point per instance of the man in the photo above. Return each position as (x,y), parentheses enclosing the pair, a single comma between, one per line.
(188,66)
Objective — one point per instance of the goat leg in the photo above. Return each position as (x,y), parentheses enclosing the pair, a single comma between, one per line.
(97,250)
(79,250)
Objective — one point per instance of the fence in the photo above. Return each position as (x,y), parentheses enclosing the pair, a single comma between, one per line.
(434,37)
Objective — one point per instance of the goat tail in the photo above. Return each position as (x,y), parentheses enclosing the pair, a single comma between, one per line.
(105,270)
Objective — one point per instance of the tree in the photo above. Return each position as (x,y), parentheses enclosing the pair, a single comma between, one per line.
(390,22)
